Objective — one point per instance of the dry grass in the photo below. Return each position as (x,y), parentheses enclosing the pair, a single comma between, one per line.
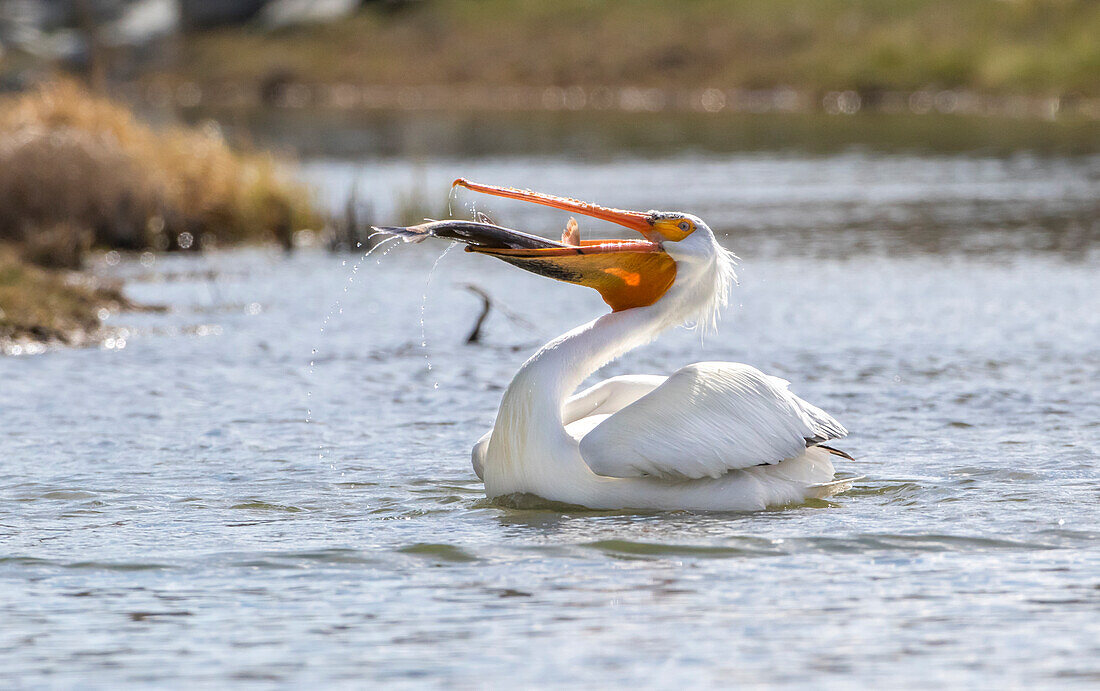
(77,170)
(60,246)
(71,159)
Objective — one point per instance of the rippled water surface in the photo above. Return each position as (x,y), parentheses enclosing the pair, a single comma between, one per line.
(167,513)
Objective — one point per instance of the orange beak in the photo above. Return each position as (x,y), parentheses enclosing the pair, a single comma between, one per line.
(627,273)
(635,220)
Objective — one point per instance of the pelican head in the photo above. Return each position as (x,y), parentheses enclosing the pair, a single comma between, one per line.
(678,260)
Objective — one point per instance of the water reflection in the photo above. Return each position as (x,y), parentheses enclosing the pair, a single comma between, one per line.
(597,136)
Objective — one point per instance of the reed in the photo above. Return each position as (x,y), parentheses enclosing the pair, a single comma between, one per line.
(72,159)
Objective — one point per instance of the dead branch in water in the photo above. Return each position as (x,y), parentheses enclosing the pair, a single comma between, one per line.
(486,307)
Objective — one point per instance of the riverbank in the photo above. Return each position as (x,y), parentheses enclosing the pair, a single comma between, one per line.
(79,171)
(41,307)
(989,55)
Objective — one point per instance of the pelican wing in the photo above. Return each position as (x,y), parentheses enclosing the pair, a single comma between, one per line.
(704,421)
(609,396)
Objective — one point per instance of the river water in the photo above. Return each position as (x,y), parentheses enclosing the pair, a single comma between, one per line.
(235,495)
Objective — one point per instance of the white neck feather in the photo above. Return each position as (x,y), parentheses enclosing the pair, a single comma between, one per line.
(529,437)
(560,366)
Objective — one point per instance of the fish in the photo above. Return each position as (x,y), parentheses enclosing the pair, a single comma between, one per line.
(478,234)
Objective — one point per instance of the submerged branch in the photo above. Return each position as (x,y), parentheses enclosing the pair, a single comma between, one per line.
(486,307)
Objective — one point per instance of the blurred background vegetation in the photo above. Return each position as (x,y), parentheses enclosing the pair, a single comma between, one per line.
(130,124)
(1039,47)
(1035,47)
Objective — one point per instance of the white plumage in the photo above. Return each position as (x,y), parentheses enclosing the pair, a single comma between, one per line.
(713,436)
(704,421)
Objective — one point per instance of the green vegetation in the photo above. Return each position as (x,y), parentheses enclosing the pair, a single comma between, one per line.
(1033,47)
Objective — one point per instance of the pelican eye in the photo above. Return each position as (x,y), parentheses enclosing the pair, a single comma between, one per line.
(685,226)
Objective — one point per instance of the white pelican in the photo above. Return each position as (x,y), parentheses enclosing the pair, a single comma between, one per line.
(713,436)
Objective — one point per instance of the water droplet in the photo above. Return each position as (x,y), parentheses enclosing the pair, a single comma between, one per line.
(451,196)
(337,309)
(424,306)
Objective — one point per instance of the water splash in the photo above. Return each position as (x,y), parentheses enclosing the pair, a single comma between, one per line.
(335,309)
(424,308)
(452,195)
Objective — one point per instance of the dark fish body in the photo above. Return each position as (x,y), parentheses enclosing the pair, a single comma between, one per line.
(475,233)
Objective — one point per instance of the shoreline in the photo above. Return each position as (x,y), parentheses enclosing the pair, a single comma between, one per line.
(42,309)
(349,97)
(81,172)
(984,57)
